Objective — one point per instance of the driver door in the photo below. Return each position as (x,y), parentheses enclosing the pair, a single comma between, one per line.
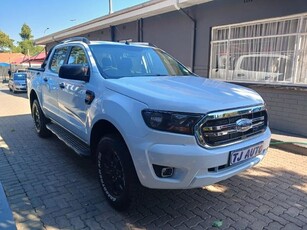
(72,94)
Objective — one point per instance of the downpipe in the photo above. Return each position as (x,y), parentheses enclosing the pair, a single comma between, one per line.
(193,42)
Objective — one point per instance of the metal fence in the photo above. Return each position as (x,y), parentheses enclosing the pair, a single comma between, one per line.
(270,51)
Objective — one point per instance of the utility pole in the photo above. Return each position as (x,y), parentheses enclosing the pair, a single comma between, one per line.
(110,7)
(29,58)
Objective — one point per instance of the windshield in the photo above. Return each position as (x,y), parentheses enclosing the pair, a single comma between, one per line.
(264,64)
(19,76)
(116,61)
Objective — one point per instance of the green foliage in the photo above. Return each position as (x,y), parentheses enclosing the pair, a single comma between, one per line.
(26,46)
(5,42)
(25,33)
(16,49)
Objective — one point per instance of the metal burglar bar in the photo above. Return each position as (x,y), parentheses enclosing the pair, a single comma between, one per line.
(271,51)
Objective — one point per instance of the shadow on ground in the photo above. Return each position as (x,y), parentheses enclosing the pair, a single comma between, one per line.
(47,185)
(16,94)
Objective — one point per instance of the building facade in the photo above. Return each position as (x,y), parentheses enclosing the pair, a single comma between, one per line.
(257,43)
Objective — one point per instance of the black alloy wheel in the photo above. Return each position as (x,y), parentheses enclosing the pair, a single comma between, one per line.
(116,171)
(40,120)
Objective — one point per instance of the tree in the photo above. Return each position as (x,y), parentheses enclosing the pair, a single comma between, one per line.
(26,46)
(5,42)
(26,32)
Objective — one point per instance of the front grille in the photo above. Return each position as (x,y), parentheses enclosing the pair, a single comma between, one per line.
(221,128)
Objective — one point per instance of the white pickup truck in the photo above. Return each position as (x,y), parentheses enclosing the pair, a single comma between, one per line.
(145,117)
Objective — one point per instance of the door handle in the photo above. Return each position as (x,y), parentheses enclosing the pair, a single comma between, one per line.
(62,85)
(45,79)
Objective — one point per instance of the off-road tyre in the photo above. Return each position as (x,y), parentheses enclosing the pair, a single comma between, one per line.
(40,120)
(116,172)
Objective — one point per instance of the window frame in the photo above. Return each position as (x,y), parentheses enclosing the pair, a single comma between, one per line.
(53,54)
(68,53)
(222,41)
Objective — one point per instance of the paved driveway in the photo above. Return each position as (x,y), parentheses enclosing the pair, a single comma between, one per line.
(49,187)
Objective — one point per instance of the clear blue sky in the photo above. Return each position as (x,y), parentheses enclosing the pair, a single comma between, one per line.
(53,14)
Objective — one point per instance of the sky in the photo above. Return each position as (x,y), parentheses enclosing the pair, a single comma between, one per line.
(53,14)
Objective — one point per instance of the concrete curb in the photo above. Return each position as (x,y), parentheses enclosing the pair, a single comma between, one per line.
(289,147)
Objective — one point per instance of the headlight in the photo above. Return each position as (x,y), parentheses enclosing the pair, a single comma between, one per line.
(171,121)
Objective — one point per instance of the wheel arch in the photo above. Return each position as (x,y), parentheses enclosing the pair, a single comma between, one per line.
(33,96)
(100,129)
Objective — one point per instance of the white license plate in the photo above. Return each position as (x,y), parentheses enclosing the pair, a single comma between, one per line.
(245,154)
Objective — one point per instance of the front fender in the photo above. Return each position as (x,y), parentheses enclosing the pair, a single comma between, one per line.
(122,111)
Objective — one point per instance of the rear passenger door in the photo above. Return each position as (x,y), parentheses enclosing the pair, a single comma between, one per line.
(71,97)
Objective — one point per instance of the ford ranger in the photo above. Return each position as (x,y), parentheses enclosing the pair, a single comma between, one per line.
(146,118)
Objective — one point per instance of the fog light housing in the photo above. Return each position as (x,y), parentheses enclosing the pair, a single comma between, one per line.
(163,171)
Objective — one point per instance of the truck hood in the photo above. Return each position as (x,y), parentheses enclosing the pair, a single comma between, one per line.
(185,93)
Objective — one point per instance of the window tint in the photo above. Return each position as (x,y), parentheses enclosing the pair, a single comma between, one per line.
(19,76)
(77,56)
(58,59)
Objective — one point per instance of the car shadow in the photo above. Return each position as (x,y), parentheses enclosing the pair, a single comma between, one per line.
(17,94)
(48,185)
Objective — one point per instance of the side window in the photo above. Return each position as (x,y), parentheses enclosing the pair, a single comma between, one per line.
(77,56)
(58,59)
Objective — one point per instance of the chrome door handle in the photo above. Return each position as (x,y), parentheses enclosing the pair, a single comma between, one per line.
(62,85)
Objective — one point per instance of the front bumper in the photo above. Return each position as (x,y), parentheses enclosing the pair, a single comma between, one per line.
(194,166)
(20,88)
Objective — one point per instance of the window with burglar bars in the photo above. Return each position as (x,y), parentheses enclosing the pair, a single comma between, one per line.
(268,51)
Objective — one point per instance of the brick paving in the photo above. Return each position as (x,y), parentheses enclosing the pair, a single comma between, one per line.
(50,187)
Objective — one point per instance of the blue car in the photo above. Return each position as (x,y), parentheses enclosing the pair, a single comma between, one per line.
(18,82)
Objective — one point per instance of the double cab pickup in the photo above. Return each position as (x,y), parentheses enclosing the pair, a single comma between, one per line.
(145,118)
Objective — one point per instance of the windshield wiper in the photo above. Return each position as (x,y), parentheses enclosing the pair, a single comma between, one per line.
(156,74)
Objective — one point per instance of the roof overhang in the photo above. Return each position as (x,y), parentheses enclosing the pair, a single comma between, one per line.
(145,10)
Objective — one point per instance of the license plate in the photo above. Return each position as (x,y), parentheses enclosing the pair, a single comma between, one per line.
(245,154)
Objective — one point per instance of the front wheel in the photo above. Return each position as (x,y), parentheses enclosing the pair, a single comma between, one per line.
(116,172)
(40,120)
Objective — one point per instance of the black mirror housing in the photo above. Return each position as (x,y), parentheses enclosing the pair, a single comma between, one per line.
(74,72)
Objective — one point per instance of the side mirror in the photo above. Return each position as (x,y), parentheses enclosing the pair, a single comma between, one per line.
(75,72)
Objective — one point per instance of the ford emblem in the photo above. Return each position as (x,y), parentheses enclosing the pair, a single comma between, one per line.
(244,125)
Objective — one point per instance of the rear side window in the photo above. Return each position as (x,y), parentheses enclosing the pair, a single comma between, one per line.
(58,59)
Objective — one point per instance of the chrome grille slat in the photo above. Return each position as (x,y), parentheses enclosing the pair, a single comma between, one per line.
(230,131)
(235,139)
(221,128)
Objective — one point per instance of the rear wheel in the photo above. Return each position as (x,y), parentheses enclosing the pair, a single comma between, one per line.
(40,120)
(116,172)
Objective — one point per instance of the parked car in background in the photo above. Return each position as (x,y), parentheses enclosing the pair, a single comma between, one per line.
(251,67)
(262,67)
(18,82)
(21,71)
